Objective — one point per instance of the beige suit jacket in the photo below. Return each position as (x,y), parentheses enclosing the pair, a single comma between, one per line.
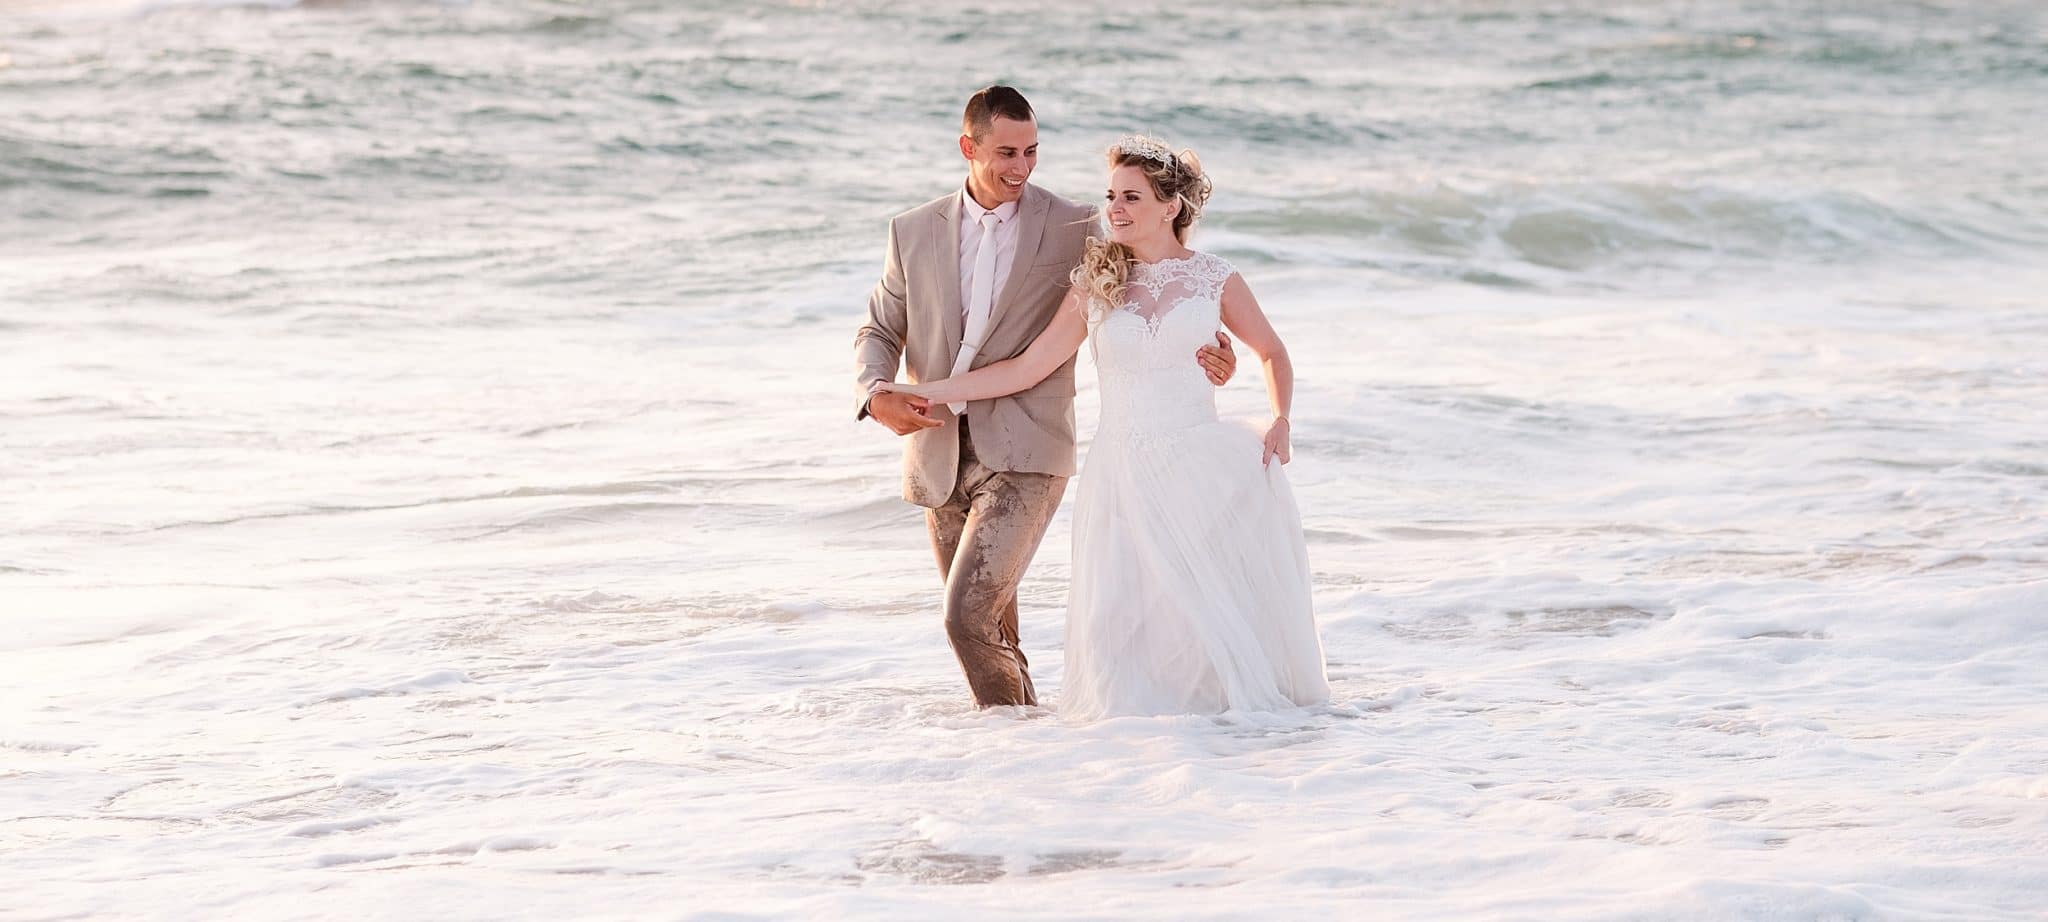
(914,322)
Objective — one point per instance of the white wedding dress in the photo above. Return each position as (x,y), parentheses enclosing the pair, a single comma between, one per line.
(1190,584)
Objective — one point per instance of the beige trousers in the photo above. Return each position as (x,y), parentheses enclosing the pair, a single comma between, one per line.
(984,537)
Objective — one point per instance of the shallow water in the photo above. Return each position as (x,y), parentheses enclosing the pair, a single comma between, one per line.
(431,482)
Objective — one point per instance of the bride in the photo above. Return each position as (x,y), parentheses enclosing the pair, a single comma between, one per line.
(1191,585)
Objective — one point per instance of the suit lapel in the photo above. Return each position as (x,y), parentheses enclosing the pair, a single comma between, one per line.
(946,278)
(1031,210)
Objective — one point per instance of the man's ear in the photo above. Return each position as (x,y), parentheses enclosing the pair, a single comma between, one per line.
(967,146)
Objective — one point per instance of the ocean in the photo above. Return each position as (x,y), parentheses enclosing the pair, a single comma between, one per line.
(431,489)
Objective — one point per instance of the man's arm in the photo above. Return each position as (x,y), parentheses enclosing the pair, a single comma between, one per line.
(878,346)
(878,351)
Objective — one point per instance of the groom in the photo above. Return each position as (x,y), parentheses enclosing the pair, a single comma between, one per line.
(971,278)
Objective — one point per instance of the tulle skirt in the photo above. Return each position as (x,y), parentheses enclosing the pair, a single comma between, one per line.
(1191,586)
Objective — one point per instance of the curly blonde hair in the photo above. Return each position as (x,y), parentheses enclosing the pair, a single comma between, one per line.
(1106,267)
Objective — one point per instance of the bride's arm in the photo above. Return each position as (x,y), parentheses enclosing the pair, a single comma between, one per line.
(1055,344)
(1243,316)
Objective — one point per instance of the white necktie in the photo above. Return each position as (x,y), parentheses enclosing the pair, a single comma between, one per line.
(980,301)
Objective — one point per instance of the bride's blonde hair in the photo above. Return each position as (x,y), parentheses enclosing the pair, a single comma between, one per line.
(1106,267)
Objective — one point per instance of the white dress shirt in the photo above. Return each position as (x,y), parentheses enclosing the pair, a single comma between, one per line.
(970,245)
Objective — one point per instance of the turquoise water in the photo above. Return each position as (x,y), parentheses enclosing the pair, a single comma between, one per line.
(651,155)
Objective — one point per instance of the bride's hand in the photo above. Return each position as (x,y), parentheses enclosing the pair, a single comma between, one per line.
(1277,442)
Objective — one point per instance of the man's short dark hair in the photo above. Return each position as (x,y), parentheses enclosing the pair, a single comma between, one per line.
(989,103)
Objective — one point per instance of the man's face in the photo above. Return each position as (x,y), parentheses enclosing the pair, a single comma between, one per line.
(999,163)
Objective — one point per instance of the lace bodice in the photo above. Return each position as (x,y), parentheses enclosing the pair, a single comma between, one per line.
(1144,349)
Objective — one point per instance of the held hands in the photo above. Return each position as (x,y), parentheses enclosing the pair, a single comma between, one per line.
(1278,442)
(1219,361)
(903,413)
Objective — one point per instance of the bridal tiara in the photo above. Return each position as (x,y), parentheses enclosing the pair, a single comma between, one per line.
(1147,148)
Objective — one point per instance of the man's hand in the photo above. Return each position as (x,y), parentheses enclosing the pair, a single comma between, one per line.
(902,413)
(1218,361)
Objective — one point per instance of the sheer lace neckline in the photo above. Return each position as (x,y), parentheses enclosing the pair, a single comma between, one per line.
(1156,289)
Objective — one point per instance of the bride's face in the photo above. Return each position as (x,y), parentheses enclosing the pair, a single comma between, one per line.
(1134,211)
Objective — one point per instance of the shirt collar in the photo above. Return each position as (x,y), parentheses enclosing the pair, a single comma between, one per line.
(971,210)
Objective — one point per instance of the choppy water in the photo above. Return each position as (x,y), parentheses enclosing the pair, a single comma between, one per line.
(428,479)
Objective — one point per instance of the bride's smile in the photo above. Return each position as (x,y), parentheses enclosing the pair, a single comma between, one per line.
(1138,218)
